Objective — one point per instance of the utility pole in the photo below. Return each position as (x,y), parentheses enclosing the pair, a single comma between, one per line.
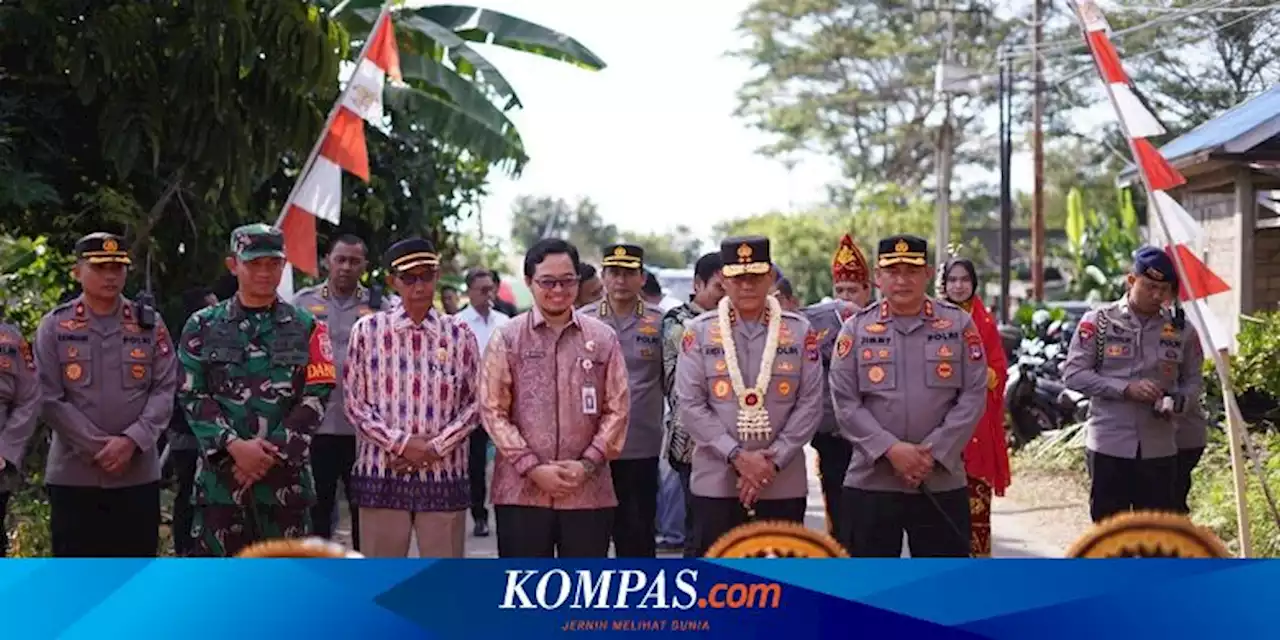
(1005,95)
(1037,144)
(946,136)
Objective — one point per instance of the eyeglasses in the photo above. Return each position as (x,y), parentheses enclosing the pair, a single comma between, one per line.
(411,279)
(553,283)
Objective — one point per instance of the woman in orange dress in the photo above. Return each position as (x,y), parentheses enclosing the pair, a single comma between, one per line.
(986,457)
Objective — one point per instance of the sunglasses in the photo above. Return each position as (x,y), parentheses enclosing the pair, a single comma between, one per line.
(553,283)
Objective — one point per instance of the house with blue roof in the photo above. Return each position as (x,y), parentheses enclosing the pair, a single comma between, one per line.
(1232,166)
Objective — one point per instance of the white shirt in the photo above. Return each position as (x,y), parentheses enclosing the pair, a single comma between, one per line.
(482,327)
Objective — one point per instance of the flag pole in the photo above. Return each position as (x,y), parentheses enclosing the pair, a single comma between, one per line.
(1235,432)
(333,113)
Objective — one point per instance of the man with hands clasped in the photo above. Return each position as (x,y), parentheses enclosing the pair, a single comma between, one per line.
(909,383)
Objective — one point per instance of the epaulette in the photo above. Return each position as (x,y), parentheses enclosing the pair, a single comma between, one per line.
(63,307)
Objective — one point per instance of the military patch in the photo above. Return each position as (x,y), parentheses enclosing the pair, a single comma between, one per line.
(942,323)
(975,352)
(867,354)
(1115,350)
(320,368)
(1086,330)
(73,352)
(884,353)
(73,371)
(784,388)
(72,324)
(646,352)
(811,346)
(29,358)
(971,335)
(721,367)
(945,370)
(945,352)
(783,366)
(875,328)
(138,371)
(721,389)
(875,375)
(687,342)
(137,354)
(1168,331)
(648,330)
(844,344)
(316,308)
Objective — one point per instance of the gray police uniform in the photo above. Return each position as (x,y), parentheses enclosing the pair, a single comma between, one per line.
(1131,450)
(709,412)
(834,452)
(333,447)
(19,405)
(918,379)
(635,473)
(101,377)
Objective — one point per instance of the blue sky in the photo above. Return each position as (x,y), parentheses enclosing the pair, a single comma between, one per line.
(651,138)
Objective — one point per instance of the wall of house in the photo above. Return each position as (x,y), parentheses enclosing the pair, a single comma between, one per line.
(1221,248)
(1266,270)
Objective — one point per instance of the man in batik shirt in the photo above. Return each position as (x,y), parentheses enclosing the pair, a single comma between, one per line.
(410,392)
(554,399)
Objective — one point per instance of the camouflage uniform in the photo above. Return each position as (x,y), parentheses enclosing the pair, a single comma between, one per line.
(254,373)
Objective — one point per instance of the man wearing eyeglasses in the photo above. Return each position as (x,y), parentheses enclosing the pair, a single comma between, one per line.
(639,327)
(410,384)
(483,320)
(554,399)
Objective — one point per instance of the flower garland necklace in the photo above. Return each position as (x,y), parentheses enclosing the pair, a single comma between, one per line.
(753,418)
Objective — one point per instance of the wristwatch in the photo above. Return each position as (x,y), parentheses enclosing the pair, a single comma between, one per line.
(734,453)
(588,466)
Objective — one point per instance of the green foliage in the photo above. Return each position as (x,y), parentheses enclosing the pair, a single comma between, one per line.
(33,278)
(580,223)
(1024,317)
(450,89)
(1213,498)
(1100,247)
(854,81)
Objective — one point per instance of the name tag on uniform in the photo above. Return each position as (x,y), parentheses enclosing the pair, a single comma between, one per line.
(589,401)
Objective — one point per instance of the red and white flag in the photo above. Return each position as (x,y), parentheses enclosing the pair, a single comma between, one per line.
(1184,233)
(318,193)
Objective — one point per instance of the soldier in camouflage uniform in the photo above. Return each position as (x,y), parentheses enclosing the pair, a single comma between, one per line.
(258,373)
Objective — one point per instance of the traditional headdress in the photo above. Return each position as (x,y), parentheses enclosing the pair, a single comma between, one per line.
(849,265)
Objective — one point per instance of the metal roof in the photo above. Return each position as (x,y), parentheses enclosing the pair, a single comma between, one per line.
(1240,129)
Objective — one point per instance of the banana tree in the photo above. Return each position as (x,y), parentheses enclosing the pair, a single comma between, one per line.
(450,89)
(1099,247)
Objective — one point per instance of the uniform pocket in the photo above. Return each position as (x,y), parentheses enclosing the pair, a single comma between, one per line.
(76,362)
(942,363)
(876,369)
(783,388)
(137,363)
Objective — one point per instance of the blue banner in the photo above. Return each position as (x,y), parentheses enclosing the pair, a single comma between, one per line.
(781,599)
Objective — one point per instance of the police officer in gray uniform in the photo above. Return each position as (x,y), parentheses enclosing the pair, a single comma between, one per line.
(749,393)
(19,406)
(1140,368)
(639,328)
(107,375)
(339,301)
(909,382)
